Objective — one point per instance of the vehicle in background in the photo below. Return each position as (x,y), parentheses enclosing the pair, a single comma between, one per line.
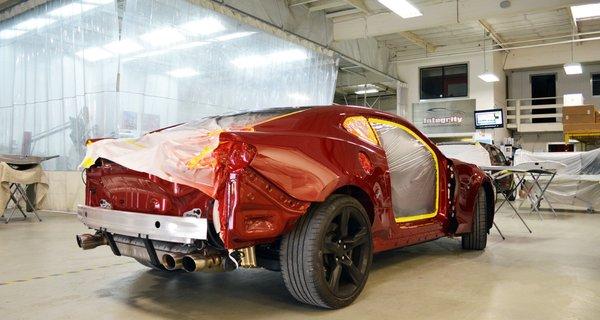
(311,192)
(471,152)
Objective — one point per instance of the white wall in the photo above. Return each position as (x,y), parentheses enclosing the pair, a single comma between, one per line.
(486,95)
(552,55)
(520,86)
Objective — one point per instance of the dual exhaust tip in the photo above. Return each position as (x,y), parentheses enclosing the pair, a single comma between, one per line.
(171,260)
(192,262)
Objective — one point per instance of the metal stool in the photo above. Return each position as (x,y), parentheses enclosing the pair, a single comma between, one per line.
(17,193)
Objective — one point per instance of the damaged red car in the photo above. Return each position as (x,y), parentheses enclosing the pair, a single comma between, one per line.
(311,192)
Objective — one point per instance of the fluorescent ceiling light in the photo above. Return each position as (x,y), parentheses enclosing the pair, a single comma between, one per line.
(123,47)
(573,68)
(10,33)
(34,23)
(71,10)
(183,73)
(489,77)
(402,8)
(93,54)
(162,37)
(366,91)
(586,11)
(183,46)
(203,26)
(232,36)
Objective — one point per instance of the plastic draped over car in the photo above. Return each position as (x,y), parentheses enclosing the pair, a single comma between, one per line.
(310,192)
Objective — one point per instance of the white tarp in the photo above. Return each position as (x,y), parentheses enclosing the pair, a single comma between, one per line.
(470,153)
(577,184)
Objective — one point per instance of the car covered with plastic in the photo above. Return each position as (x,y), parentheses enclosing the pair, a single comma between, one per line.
(309,192)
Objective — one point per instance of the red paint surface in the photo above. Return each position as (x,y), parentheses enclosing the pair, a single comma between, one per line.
(268,178)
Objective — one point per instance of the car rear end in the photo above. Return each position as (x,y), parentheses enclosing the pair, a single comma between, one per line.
(170,225)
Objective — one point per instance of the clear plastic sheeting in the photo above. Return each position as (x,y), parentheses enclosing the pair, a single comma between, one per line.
(72,70)
(182,154)
(413,171)
(577,184)
(470,153)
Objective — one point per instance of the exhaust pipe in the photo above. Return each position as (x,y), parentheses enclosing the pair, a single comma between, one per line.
(88,241)
(198,262)
(172,261)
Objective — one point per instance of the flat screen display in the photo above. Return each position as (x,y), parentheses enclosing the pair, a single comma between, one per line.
(485,119)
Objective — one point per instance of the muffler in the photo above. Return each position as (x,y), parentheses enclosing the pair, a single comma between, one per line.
(199,262)
(88,241)
(172,261)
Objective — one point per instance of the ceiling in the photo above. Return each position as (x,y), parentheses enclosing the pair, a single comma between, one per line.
(525,23)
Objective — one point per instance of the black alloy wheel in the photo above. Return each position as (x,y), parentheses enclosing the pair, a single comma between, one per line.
(325,260)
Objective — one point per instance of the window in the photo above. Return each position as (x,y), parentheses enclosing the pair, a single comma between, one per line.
(444,82)
(413,171)
(596,84)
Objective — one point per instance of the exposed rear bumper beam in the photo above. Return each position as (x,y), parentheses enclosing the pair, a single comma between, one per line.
(150,226)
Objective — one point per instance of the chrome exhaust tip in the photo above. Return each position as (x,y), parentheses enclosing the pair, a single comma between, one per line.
(172,261)
(198,262)
(88,241)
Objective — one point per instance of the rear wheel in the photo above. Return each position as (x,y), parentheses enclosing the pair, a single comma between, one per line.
(477,239)
(325,260)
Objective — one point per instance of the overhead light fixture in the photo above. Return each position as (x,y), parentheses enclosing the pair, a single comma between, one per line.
(71,10)
(402,8)
(183,73)
(366,91)
(586,11)
(489,77)
(573,68)
(123,46)
(235,35)
(203,26)
(162,37)
(93,54)
(34,23)
(10,33)
(153,53)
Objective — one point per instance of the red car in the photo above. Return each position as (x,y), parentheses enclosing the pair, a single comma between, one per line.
(311,192)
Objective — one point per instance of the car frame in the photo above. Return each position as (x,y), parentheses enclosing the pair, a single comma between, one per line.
(310,193)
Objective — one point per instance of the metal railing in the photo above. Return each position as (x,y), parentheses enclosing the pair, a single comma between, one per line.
(520,115)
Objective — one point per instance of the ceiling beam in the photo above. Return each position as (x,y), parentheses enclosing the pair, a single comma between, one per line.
(493,34)
(442,13)
(325,4)
(428,46)
(293,3)
(359,4)
(574,25)
(342,13)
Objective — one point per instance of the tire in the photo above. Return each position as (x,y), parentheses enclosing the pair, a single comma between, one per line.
(477,239)
(324,263)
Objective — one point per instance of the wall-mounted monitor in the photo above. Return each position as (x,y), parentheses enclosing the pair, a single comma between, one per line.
(485,119)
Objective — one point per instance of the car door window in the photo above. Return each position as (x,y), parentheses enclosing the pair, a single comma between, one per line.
(413,170)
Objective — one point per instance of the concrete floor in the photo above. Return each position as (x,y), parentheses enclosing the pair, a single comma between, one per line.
(553,273)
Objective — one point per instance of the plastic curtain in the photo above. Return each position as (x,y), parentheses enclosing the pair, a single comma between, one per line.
(577,184)
(412,171)
(94,68)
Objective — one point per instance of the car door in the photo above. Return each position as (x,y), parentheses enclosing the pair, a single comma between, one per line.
(414,171)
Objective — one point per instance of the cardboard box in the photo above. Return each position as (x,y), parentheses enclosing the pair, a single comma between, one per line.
(579,114)
(581,127)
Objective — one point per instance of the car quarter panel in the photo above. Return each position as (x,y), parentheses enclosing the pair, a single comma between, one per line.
(469,180)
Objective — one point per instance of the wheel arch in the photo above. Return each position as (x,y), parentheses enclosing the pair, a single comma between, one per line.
(361,196)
